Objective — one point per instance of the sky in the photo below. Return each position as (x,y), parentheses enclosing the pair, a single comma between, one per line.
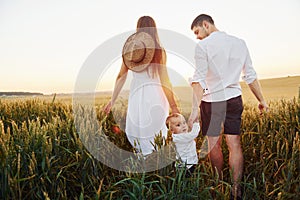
(43,44)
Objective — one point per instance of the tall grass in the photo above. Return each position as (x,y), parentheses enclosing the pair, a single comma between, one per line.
(42,157)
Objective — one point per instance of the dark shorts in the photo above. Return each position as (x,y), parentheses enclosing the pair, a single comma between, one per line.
(215,115)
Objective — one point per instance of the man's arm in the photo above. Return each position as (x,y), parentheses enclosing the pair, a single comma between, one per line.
(198,82)
(251,79)
(197,96)
(256,90)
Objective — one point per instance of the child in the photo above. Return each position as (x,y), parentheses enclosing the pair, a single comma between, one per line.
(184,141)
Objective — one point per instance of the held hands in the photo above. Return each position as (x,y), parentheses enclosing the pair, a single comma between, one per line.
(175,110)
(193,118)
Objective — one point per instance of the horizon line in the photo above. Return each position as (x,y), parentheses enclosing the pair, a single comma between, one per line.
(111,90)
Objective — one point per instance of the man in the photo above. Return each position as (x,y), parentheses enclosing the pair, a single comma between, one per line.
(220,60)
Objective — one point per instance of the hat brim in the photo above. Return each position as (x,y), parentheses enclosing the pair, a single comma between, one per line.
(149,51)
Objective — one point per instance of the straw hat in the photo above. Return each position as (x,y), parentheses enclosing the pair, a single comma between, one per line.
(138,51)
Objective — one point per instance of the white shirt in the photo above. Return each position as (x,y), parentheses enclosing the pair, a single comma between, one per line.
(220,60)
(186,146)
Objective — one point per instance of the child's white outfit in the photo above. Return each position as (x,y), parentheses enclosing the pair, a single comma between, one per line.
(186,147)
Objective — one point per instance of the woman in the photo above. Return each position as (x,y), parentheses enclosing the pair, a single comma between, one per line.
(150,93)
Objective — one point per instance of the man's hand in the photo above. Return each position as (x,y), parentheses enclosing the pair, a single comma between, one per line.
(256,90)
(263,106)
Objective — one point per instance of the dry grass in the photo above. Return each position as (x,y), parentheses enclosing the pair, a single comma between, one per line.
(275,89)
(42,155)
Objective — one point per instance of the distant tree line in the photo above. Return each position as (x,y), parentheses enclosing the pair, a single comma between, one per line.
(20,93)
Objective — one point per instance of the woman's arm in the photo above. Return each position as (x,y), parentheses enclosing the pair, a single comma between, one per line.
(120,80)
(166,84)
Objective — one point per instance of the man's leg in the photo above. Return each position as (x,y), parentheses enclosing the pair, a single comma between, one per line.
(236,161)
(215,153)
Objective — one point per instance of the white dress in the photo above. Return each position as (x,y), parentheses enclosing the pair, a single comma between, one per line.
(147,111)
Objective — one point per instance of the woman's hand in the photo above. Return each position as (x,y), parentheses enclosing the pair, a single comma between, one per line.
(118,86)
(108,107)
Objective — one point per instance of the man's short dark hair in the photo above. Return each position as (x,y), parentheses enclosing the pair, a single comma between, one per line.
(199,20)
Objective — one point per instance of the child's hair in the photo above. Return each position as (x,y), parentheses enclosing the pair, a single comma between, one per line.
(169,118)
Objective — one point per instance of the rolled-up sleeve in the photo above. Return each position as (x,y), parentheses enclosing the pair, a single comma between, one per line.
(201,67)
(249,74)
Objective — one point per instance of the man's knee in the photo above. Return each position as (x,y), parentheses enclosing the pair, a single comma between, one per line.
(233,142)
(215,143)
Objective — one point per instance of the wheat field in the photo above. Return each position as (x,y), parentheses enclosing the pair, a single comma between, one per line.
(43,157)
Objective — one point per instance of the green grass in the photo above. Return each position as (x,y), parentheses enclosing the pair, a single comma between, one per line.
(42,157)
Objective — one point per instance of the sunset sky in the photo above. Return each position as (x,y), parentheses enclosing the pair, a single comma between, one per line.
(43,44)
